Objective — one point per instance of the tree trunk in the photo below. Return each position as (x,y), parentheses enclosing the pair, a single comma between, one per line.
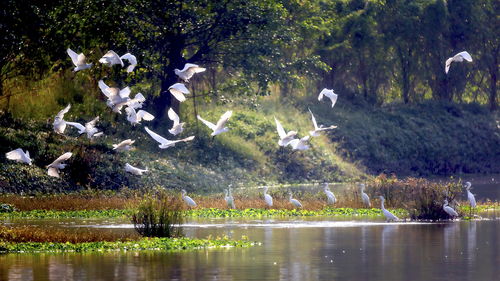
(493,88)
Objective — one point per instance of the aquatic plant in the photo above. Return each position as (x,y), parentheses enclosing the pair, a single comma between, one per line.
(45,214)
(60,235)
(158,217)
(159,244)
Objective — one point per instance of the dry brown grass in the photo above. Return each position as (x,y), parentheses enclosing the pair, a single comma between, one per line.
(69,202)
(44,234)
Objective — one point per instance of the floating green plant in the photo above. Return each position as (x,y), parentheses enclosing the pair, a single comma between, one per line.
(160,244)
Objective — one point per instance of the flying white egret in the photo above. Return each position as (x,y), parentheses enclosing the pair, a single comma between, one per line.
(317,130)
(300,144)
(470,196)
(388,215)
(115,95)
(59,122)
(294,202)
(460,57)
(329,94)
(164,143)
(229,198)
(267,197)
(285,138)
(136,117)
(131,59)
(219,127)
(190,202)
(19,155)
(134,170)
(54,167)
(449,210)
(329,195)
(89,128)
(78,60)
(178,90)
(111,58)
(188,71)
(134,103)
(177,126)
(125,145)
(364,196)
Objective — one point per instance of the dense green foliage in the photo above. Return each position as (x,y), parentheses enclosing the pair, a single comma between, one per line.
(159,244)
(158,217)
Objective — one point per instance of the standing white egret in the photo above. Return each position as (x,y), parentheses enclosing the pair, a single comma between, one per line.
(54,167)
(59,122)
(317,130)
(329,94)
(300,144)
(134,170)
(267,197)
(285,138)
(131,59)
(219,127)
(470,196)
(294,202)
(136,117)
(388,215)
(190,202)
(460,57)
(125,145)
(78,60)
(178,90)
(449,210)
(89,128)
(177,126)
(229,198)
(111,58)
(329,195)
(19,155)
(164,143)
(188,71)
(364,196)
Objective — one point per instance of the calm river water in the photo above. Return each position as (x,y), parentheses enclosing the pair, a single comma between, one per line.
(312,249)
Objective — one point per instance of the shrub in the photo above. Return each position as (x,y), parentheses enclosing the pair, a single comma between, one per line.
(158,217)
(422,198)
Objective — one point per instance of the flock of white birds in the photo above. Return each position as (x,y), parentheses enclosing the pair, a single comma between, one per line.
(117,99)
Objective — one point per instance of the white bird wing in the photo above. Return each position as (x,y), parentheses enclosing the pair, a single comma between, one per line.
(465,55)
(61,159)
(189,65)
(53,172)
(279,128)
(156,137)
(174,117)
(103,87)
(61,113)
(322,93)
(91,125)
(207,123)
(144,115)
(111,58)
(448,64)
(79,126)
(223,119)
(131,58)
(125,92)
(73,56)
(16,154)
(333,97)
(187,139)
(193,70)
(313,120)
(80,59)
(177,94)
